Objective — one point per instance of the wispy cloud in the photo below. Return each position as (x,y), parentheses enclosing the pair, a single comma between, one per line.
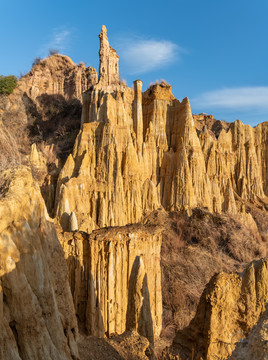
(59,40)
(141,55)
(242,98)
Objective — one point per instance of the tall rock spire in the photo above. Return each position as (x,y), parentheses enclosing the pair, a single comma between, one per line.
(108,66)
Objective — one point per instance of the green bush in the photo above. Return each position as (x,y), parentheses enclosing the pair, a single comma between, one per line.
(7,84)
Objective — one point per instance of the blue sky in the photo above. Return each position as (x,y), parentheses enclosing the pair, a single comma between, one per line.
(215,52)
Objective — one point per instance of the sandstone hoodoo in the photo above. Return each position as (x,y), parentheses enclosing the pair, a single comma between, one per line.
(138,151)
(108,67)
(125,207)
(115,279)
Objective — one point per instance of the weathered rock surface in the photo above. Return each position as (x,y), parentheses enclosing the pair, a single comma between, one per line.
(229,307)
(139,151)
(255,346)
(115,279)
(213,126)
(37,318)
(55,75)
(45,108)
(108,67)
(127,346)
(133,346)
(135,153)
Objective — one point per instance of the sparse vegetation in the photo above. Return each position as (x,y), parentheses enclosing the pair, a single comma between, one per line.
(7,84)
(36,61)
(194,249)
(152,84)
(162,83)
(52,52)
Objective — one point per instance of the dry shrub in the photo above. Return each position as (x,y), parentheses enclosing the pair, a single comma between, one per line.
(19,131)
(49,153)
(9,150)
(152,84)
(260,216)
(58,123)
(14,140)
(194,249)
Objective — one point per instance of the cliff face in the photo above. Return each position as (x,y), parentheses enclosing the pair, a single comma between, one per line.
(51,84)
(58,75)
(229,307)
(255,346)
(138,151)
(108,68)
(135,153)
(115,279)
(55,75)
(44,108)
(37,318)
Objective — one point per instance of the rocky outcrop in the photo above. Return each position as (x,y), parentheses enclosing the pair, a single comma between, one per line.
(213,126)
(139,151)
(37,318)
(255,346)
(103,181)
(129,345)
(193,249)
(45,108)
(132,346)
(57,75)
(229,307)
(115,279)
(108,67)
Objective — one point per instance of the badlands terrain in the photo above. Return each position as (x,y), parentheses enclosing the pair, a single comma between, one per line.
(129,227)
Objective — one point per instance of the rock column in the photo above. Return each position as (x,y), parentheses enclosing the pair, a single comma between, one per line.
(108,66)
(138,119)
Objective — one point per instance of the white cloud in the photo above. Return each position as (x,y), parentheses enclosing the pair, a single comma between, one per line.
(59,40)
(144,55)
(243,98)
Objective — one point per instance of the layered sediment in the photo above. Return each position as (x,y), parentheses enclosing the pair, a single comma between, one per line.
(55,75)
(37,317)
(139,151)
(115,279)
(127,162)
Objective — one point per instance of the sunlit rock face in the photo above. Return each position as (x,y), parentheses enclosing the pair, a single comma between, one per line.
(255,346)
(51,84)
(56,75)
(229,307)
(37,317)
(139,151)
(115,279)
